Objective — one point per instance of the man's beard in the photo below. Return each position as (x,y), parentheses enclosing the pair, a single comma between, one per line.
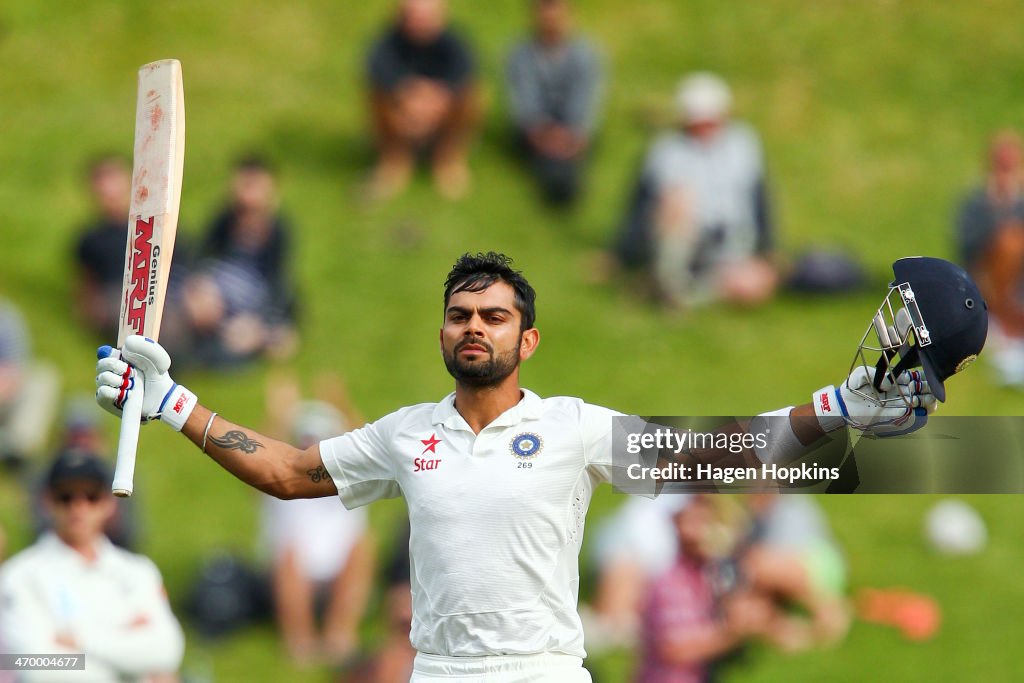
(481,373)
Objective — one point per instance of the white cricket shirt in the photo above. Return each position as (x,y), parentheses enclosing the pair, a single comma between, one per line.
(115,608)
(496,517)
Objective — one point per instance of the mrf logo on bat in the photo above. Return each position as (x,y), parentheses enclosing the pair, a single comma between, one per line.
(144,268)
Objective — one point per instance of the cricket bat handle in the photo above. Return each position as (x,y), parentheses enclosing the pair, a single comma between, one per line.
(128,441)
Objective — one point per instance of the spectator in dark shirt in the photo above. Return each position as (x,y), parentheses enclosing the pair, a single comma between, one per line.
(423,96)
(239,301)
(554,83)
(990,237)
(99,254)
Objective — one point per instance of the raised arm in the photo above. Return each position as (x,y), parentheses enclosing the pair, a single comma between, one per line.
(271,466)
(780,438)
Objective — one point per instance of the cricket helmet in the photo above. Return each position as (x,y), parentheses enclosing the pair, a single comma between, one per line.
(933,317)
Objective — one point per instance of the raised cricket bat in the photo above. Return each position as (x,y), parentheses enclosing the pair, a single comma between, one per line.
(152,225)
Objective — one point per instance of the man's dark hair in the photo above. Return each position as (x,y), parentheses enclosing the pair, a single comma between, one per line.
(475,273)
(104,161)
(254,162)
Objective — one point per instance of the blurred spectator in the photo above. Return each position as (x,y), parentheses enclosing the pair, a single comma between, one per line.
(790,558)
(307,571)
(698,220)
(392,662)
(82,435)
(686,625)
(632,546)
(990,236)
(74,592)
(554,82)
(239,302)
(28,391)
(99,254)
(423,95)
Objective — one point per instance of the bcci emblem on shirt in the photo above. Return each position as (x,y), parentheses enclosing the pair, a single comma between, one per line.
(526,446)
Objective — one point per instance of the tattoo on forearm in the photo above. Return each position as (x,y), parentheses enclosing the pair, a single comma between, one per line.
(236,440)
(318,475)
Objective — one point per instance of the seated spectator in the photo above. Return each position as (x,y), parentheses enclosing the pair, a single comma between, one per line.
(99,254)
(791,559)
(308,572)
(632,546)
(554,82)
(990,237)
(28,392)
(423,97)
(698,221)
(75,592)
(239,301)
(392,661)
(687,625)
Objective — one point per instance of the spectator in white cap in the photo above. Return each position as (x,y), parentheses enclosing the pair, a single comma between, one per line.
(312,578)
(699,223)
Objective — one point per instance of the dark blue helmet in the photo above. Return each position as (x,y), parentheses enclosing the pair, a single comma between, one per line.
(933,317)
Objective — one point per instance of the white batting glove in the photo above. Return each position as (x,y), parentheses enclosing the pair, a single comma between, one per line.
(142,362)
(885,413)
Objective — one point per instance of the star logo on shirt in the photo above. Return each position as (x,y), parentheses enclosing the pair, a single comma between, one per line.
(431,444)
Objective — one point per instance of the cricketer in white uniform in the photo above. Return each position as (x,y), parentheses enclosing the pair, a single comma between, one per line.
(75,592)
(496,479)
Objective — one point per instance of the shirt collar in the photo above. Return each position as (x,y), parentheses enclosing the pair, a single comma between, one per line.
(103,548)
(530,407)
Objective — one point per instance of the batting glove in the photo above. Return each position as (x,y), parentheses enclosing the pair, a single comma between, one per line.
(881,413)
(142,362)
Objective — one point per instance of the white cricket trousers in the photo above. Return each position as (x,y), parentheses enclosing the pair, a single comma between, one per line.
(547,667)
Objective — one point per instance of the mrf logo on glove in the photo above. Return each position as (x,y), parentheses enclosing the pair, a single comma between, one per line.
(118,373)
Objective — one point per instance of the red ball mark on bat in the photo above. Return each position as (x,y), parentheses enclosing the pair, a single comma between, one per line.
(142,194)
(156,117)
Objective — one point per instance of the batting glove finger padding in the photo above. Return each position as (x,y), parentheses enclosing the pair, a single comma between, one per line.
(142,362)
(890,410)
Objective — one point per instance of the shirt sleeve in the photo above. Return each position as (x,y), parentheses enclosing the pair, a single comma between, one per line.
(361,462)
(662,165)
(524,91)
(604,443)
(975,226)
(156,644)
(459,66)
(384,66)
(584,92)
(14,342)
(25,624)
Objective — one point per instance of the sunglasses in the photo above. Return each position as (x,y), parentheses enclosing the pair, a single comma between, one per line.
(67,497)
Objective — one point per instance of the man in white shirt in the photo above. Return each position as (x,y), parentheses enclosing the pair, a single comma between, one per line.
(74,592)
(497,480)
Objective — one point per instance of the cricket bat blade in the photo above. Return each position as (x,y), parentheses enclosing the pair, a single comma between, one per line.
(152,224)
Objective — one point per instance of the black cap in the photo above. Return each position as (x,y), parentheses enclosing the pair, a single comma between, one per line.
(76,465)
(952,310)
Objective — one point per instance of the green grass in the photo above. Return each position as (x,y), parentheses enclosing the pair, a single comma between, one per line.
(874,115)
